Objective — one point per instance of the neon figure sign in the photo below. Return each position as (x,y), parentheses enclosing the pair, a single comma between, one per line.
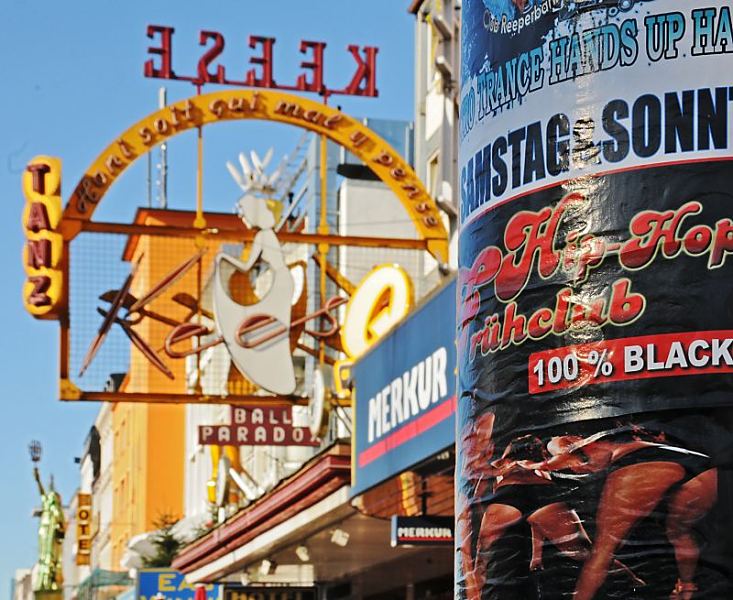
(362,82)
(253,331)
(257,335)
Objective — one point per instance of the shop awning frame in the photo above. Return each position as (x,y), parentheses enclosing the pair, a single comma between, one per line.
(321,485)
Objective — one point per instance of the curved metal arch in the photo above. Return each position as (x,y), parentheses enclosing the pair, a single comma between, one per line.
(198,111)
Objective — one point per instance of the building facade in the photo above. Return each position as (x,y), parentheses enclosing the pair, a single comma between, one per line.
(22,585)
(293,516)
(149,439)
(437,73)
(307,525)
(102,493)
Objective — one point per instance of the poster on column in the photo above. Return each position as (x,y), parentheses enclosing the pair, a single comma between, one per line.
(595,301)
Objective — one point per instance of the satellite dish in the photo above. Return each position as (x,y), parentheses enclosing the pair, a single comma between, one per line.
(318,405)
(222,481)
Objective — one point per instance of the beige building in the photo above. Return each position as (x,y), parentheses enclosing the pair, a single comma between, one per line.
(437,79)
(102,493)
(22,585)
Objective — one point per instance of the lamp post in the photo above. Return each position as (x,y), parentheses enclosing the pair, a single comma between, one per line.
(35,450)
(51,530)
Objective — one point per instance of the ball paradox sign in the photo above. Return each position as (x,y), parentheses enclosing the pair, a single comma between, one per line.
(266,425)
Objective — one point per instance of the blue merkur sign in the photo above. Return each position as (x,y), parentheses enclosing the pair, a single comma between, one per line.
(405,393)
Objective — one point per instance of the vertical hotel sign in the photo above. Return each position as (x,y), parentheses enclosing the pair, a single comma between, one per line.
(595,350)
(83,529)
(42,253)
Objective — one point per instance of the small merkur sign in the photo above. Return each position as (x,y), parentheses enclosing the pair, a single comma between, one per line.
(422,531)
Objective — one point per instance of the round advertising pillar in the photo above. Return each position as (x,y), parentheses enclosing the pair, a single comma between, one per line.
(595,301)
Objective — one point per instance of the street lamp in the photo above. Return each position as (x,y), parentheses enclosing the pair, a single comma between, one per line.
(34,449)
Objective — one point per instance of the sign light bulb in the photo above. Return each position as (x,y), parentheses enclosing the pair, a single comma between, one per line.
(340,537)
(303,553)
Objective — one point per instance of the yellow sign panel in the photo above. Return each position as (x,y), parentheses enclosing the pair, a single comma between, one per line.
(202,110)
(83,529)
(382,299)
(43,250)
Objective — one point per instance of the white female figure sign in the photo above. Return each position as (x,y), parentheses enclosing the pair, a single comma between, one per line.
(257,335)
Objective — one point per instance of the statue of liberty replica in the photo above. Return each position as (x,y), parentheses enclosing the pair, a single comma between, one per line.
(49,577)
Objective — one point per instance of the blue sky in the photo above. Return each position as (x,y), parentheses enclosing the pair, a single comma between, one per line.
(72,80)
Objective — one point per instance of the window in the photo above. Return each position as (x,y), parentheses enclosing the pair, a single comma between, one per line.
(434,175)
(430,47)
(433,44)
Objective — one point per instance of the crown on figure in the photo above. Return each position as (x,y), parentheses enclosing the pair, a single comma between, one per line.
(252,179)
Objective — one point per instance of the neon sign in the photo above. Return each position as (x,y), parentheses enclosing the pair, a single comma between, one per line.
(84,529)
(363,82)
(132,306)
(42,256)
(218,107)
(259,337)
(384,297)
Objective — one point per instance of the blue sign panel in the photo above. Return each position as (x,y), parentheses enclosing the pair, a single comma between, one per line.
(405,393)
(171,585)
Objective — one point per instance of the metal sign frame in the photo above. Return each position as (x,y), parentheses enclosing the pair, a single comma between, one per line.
(195,113)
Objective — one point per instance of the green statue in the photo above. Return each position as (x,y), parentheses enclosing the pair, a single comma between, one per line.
(51,533)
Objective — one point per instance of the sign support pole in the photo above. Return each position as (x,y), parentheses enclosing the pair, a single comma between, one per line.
(199,221)
(323,229)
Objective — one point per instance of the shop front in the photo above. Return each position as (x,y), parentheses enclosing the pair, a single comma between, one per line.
(307,536)
(372,520)
(169,584)
(403,459)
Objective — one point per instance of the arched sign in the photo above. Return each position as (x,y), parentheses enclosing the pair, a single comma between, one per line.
(204,109)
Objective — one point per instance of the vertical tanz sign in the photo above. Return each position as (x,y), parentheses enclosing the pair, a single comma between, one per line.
(42,253)
(595,301)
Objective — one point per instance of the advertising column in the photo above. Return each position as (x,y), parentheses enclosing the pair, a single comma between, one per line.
(595,301)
